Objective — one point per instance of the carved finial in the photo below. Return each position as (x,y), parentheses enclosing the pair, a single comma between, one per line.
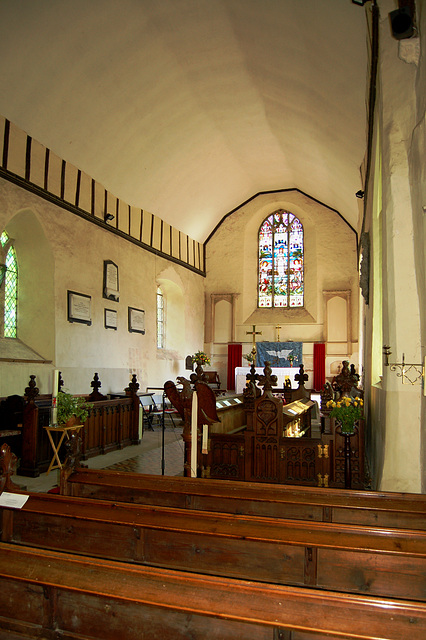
(73,447)
(133,385)
(268,380)
(326,395)
(301,377)
(31,392)
(96,384)
(346,379)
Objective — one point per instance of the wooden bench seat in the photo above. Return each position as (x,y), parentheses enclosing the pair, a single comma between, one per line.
(396,510)
(52,594)
(389,563)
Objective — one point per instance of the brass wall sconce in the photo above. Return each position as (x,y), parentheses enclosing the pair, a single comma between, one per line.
(408,372)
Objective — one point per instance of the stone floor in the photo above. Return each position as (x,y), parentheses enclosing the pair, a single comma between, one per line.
(145,457)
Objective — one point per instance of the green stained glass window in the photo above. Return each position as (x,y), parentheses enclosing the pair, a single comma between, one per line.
(281,261)
(10,289)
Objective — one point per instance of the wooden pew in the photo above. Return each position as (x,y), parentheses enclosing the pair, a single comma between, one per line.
(51,594)
(111,424)
(346,558)
(371,508)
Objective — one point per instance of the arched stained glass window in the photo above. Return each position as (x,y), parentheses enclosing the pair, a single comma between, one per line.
(281,281)
(10,292)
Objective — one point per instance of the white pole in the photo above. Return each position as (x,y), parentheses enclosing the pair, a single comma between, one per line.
(194,420)
(54,396)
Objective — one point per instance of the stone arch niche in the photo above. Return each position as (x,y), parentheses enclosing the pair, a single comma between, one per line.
(36,300)
(174,311)
(337,327)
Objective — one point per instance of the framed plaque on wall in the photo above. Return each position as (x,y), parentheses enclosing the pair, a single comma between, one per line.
(79,308)
(136,320)
(111,289)
(110,319)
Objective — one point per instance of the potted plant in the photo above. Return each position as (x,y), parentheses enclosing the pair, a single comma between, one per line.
(346,411)
(71,409)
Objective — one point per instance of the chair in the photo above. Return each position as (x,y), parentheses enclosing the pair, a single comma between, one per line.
(147,405)
(163,409)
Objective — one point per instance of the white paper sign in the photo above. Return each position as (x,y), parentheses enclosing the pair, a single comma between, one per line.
(13,500)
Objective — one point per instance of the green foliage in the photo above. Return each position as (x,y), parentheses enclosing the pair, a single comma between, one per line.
(69,405)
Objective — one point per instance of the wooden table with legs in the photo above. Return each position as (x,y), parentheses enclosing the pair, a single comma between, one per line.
(65,433)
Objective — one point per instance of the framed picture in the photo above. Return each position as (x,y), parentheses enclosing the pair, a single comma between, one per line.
(110,319)
(136,320)
(111,289)
(79,308)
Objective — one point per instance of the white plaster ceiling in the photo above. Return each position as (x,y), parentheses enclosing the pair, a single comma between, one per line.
(186,108)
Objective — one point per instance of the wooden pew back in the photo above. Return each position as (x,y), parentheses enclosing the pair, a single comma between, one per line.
(390,563)
(370,508)
(71,596)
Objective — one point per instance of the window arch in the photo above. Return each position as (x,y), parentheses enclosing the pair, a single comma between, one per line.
(10,290)
(160,319)
(281,261)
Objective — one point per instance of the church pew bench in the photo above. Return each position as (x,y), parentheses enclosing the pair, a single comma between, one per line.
(55,594)
(349,558)
(395,510)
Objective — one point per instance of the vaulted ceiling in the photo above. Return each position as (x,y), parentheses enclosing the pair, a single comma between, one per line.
(186,108)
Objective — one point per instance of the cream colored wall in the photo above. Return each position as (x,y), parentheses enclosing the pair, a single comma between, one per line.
(59,251)
(397,411)
(330,265)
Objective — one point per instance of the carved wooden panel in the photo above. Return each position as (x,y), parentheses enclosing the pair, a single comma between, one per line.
(226,457)
(300,461)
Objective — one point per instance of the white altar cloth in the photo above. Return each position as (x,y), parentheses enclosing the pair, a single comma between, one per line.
(281,373)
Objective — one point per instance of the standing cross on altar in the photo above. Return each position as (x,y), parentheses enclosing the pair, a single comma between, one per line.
(254,333)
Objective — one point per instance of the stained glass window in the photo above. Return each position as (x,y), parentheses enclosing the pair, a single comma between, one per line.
(10,288)
(160,319)
(281,281)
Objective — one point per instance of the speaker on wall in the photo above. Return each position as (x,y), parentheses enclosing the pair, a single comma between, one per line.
(402,23)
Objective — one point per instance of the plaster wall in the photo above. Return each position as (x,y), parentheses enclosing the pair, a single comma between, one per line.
(330,265)
(66,253)
(397,409)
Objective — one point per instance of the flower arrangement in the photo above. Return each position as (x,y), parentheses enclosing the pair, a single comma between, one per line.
(249,357)
(201,358)
(347,411)
(291,358)
(69,405)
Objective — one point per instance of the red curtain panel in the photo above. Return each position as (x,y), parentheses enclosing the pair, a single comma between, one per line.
(235,354)
(319,366)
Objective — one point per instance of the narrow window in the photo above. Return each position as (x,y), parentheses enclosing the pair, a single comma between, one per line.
(160,319)
(10,287)
(281,260)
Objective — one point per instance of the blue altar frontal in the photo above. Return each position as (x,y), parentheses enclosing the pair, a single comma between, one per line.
(278,354)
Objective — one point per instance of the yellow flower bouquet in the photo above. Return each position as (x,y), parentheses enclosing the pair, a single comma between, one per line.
(347,411)
(200,358)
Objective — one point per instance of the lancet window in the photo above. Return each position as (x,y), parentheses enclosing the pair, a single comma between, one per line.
(281,261)
(9,286)
(160,319)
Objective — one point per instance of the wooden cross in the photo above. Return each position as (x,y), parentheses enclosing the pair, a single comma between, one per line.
(278,327)
(254,333)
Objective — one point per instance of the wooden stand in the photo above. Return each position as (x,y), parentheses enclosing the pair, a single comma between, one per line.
(65,433)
